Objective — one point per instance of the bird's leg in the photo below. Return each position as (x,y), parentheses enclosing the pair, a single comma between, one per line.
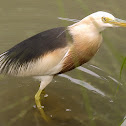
(37,99)
(45,81)
(43,92)
(39,106)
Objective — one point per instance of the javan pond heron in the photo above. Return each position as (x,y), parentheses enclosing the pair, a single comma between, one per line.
(57,50)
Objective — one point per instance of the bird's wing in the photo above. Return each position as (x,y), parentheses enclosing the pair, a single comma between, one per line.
(32,49)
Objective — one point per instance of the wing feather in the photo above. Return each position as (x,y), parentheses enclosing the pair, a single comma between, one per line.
(32,49)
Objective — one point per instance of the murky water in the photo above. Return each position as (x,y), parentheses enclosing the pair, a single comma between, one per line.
(91,95)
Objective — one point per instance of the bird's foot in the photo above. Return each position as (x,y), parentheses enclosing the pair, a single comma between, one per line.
(40,107)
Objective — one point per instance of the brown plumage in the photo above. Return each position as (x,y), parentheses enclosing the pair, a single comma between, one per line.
(81,51)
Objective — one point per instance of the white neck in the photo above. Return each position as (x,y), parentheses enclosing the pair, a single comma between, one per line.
(83,30)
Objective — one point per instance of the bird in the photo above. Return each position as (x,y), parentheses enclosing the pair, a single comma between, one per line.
(58,50)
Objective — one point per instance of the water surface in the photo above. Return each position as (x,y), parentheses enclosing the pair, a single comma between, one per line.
(91,95)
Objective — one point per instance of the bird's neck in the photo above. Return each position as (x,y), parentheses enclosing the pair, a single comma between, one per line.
(84,28)
(84,33)
(86,38)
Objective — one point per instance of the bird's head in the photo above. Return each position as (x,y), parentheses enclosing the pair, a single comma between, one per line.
(103,20)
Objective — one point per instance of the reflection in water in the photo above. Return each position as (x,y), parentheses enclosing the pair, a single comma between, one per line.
(124,122)
(117,82)
(68,19)
(88,71)
(20,115)
(9,107)
(105,77)
(84,84)
(95,67)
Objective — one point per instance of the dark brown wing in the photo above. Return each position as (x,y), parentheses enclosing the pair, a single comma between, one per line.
(32,48)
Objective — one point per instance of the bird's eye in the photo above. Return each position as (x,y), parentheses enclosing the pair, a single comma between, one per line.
(104,19)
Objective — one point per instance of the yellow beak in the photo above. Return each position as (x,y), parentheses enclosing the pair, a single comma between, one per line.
(118,22)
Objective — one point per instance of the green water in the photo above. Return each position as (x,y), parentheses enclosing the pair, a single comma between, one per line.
(91,95)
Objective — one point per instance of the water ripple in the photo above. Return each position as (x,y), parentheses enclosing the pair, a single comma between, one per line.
(83,84)
(88,71)
(68,19)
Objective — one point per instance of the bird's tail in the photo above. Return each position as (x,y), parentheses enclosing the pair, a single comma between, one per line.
(3,62)
(9,63)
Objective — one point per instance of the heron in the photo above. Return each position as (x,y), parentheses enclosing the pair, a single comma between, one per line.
(57,50)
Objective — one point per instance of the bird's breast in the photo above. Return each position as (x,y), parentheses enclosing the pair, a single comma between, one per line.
(82,50)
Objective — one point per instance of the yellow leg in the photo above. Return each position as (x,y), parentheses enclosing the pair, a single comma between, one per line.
(45,80)
(39,106)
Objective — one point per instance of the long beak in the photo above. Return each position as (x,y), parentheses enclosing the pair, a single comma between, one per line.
(118,22)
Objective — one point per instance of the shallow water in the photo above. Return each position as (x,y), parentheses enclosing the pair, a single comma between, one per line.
(91,95)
